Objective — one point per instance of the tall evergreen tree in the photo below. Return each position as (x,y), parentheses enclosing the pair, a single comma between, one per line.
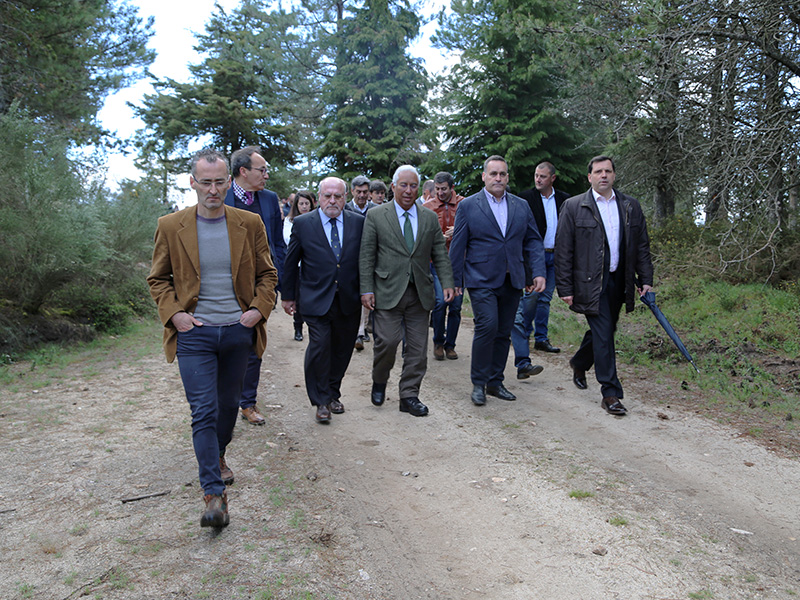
(259,84)
(502,97)
(375,98)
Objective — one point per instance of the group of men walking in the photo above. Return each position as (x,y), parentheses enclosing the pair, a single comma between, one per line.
(216,268)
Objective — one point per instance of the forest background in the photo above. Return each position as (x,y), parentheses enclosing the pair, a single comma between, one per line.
(697,102)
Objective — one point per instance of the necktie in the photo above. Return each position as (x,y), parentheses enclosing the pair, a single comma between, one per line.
(408,232)
(336,246)
(248,198)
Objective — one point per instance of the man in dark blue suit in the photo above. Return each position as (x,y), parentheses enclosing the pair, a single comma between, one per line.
(323,255)
(250,173)
(496,251)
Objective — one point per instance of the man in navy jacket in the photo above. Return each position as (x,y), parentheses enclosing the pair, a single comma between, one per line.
(250,173)
(496,251)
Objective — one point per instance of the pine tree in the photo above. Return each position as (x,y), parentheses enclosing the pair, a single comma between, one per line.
(59,60)
(502,97)
(375,98)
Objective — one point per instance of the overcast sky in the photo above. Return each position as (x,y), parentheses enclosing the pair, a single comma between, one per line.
(176,23)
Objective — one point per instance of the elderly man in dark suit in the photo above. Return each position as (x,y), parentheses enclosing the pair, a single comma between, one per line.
(496,250)
(323,254)
(602,258)
(399,242)
(533,313)
(250,175)
(214,284)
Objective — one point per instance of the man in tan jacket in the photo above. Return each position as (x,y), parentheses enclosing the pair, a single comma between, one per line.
(212,322)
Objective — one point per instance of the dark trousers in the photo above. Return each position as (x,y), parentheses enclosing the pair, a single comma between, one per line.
(331,338)
(251,378)
(597,347)
(212,362)
(407,322)
(298,320)
(494,310)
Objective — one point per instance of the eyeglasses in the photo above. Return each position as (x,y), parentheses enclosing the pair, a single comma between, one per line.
(263,170)
(207,183)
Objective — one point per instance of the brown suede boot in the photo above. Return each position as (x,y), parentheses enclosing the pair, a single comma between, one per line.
(216,513)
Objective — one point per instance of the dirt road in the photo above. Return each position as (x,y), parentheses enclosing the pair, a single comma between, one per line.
(545,498)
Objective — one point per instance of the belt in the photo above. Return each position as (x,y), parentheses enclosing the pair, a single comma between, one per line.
(550,250)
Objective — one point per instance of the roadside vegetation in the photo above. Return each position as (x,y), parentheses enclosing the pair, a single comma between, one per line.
(743,337)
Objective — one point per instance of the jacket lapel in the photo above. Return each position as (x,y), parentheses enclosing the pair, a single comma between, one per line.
(393,222)
(319,215)
(237,233)
(483,204)
(187,234)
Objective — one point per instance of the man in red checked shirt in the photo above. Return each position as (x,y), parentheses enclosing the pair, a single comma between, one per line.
(445,203)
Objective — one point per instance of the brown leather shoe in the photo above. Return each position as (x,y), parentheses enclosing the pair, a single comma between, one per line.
(336,407)
(451,353)
(438,352)
(252,416)
(323,414)
(216,512)
(359,345)
(225,471)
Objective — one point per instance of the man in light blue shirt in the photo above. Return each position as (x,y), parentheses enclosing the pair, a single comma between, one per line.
(533,313)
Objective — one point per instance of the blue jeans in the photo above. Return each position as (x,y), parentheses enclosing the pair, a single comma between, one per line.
(440,338)
(533,314)
(212,361)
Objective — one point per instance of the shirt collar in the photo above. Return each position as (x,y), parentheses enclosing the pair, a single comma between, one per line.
(326,219)
(492,198)
(600,198)
(239,191)
(401,211)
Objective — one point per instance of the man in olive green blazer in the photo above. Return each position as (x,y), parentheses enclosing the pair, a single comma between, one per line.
(399,242)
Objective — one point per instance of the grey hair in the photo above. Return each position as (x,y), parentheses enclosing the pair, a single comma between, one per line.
(210,156)
(359,180)
(402,169)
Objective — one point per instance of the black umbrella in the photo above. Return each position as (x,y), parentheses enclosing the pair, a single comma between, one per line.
(649,298)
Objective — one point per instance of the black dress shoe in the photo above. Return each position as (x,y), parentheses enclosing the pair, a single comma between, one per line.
(378,393)
(323,414)
(545,346)
(613,406)
(336,407)
(578,377)
(478,395)
(500,392)
(298,336)
(526,371)
(413,406)
(365,337)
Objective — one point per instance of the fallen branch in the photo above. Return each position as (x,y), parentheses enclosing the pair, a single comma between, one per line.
(7,510)
(136,498)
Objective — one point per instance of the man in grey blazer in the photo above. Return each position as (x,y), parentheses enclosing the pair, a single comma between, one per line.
(360,203)
(496,251)
(399,242)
